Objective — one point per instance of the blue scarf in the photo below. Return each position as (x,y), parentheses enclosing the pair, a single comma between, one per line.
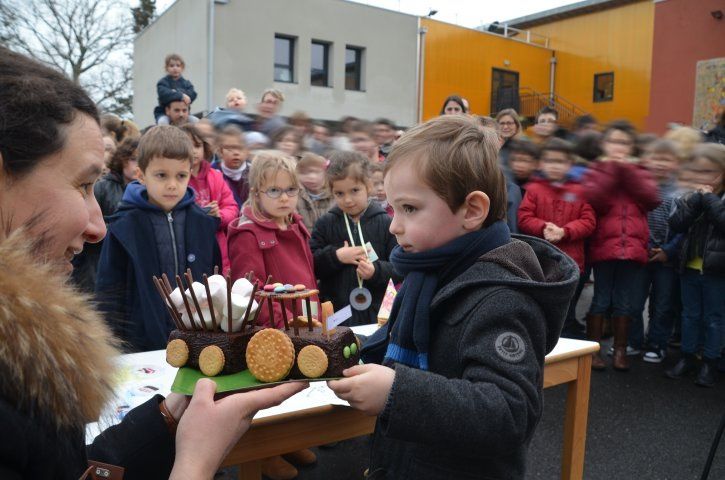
(425,273)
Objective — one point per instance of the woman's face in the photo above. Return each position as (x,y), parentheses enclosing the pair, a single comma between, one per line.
(59,193)
(507,127)
(452,108)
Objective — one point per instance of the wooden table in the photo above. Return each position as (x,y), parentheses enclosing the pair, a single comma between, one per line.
(569,362)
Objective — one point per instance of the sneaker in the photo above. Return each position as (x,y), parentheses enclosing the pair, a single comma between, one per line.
(675,341)
(631,351)
(654,356)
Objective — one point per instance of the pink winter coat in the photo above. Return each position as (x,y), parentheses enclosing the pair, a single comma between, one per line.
(563,205)
(621,195)
(209,185)
(262,247)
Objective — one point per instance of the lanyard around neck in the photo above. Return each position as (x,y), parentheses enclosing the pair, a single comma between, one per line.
(352,241)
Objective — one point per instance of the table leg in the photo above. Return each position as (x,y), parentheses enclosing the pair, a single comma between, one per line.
(251,470)
(575,421)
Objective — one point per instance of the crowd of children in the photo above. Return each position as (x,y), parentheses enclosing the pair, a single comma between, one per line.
(303,204)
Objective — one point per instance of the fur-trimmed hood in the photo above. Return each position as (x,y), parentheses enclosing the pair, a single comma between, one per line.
(56,353)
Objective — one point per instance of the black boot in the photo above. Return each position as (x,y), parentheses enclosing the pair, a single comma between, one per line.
(708,373)
(686,365)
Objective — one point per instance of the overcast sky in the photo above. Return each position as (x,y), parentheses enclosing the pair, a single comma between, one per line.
(469,13)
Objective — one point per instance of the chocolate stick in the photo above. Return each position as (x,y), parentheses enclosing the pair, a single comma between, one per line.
(294,315)
(284,317)
(186,303)
(269,280)
(249,306)
(190,281)
(211,303)
(166,287)
(216,269)
(167,283)
(229,303)
(308,304)
(162,292)
(271,311)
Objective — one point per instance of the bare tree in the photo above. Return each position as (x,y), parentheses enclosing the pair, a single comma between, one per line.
(90,40)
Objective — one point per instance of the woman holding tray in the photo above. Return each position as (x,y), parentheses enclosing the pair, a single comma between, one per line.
(56,354)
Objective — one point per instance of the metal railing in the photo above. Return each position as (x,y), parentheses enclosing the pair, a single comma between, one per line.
(531,101)
(526,36)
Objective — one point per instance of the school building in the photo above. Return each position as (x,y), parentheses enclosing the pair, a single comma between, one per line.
(650,61)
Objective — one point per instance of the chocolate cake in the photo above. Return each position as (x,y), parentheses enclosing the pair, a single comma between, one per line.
(233,345)
(342,349)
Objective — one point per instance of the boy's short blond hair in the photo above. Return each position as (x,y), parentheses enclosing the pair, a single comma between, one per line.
(235,91)
(455,156)
(171,57)
(164,141)
(275,93)
(311,160)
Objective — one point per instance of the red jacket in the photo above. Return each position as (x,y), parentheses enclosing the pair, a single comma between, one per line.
(209,185)
(261,246)
(563,205)
(621,194)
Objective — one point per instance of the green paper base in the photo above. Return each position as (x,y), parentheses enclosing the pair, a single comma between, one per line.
(186,379)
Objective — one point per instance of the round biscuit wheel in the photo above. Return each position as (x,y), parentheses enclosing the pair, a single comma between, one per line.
(312,361)
(211,360)
(177,353)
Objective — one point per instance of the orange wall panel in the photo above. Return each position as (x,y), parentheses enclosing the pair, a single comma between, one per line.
(617,40)
(460,61)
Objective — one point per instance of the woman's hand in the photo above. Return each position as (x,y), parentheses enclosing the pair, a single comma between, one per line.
(366,387)
(210,428)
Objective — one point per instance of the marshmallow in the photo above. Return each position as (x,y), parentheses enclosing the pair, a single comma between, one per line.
(239,306)
(177,299)
(242,287)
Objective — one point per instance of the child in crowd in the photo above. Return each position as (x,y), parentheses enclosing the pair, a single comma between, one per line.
(700,215)
(546,124)
(233,113)
(660,279)
(523,159)
(314,199)
(621,193)
(352,243)
(455,376)
(256,141)
(158,229)
(233,152)
(361,136)
(236,99)
(269,238)
(378,191)
(173,87)
(384,131)
(288,141)
(212,193)
(268,119)
(554,208)
(320,140)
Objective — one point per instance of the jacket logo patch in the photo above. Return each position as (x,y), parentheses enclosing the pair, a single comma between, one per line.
(191,257)
(510,347)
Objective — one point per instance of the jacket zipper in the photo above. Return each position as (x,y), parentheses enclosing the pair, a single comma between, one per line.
(170,218)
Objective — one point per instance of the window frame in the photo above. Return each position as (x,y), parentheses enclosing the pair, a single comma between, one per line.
(597,76)
(291,67)
(359,70)
(327,46)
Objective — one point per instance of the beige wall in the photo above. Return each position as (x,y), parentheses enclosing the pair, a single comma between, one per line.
(244,55)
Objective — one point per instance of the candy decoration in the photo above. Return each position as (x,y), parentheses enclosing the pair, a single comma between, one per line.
(299,287)
(279,289)
(346,352)
(353,348)
(289,288)
(278,285)
(269,288)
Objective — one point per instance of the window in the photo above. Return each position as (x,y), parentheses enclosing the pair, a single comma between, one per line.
(284,58)
(320,66)
(353,68)
(603,87)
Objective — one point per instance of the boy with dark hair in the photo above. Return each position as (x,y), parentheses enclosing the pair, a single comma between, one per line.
(554,208)
(314,199)
(384,133)
(455,376)
(158,229)
(523,160)
(173,88)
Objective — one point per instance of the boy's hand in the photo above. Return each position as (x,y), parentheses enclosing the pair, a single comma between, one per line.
(186,99)
(350,255)
(366,387)
(365,269)
(657,255)
(214,209)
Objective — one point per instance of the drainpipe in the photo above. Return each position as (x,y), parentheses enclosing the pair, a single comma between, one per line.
(210,60)
(552,74)
(421,68)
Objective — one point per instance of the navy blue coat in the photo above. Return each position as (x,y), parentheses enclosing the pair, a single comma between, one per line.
(169,90)
(130,258)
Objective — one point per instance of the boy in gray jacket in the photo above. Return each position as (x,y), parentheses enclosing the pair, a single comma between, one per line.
(455,377)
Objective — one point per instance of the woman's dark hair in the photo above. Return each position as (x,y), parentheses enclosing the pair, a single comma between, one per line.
(36,103)
(126,151)
(454,98)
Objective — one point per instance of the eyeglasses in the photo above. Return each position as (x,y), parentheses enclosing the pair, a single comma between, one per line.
(507,124)
(277,192)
